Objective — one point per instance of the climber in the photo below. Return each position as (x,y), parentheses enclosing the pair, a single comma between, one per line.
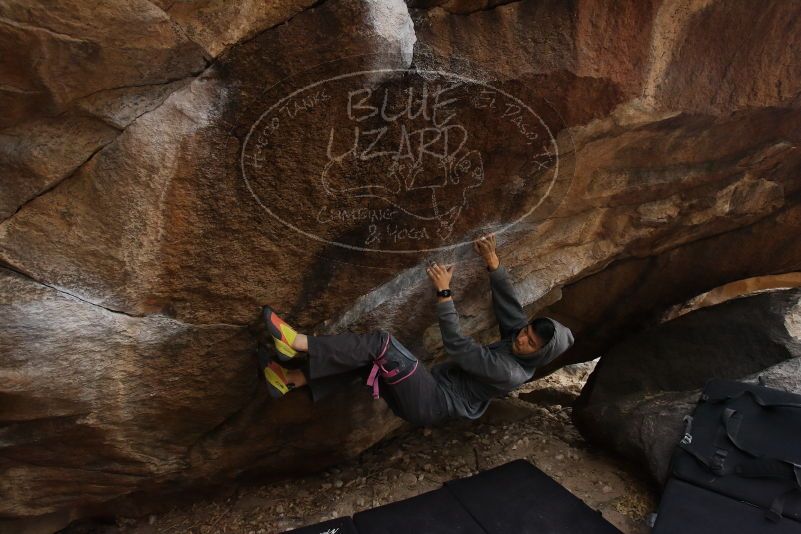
(462,386)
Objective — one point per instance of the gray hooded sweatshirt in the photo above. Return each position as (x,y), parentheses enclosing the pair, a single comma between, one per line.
(476,373)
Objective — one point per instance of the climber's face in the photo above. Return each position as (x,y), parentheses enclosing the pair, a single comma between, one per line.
(526,342)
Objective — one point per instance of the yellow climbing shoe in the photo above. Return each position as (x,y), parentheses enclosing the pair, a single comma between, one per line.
(283,334)
(277,383)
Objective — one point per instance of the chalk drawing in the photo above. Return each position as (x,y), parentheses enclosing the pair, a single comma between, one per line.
(403,161)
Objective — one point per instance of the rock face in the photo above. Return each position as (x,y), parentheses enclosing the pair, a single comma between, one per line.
(635,400)
(171,166)
(736,289)
(146,407)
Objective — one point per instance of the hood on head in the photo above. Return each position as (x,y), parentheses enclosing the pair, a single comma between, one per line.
(561,341)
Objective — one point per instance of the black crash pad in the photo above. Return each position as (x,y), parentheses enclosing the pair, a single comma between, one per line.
(736,423)
(688,509)
(434,512)
(341,525)
(513,498)
(517,497)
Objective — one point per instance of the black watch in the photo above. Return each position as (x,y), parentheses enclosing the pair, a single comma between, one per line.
(444,293)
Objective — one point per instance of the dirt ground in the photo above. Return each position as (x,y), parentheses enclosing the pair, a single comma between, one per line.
(534,423)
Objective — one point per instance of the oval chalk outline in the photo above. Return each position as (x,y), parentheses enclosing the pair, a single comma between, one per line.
(385,71)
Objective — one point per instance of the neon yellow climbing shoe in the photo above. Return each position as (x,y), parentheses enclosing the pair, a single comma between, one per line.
(277,381)
(283,334)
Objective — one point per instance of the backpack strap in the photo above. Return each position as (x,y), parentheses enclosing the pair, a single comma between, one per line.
(769,468)
(776,510)
(731,424)
(756,397)
(758,466)
(716,464)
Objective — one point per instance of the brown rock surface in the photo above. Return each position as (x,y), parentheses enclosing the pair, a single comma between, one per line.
(732,290)
(143,164)
(218,24)
(35,156)
(126,393)
(62,51)
(114,404)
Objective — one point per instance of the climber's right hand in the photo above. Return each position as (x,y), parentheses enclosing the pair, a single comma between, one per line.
(485,247)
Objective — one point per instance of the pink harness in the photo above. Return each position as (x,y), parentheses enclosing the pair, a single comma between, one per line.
(378,366)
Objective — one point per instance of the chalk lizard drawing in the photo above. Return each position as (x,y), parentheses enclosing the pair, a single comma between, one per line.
(442,179)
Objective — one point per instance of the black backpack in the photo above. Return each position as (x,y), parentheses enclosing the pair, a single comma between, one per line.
(738,463)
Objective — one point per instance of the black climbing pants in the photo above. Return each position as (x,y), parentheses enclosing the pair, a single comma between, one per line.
(338,359)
